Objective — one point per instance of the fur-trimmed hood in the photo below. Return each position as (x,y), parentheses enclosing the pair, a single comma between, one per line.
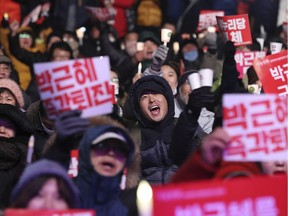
(133,169)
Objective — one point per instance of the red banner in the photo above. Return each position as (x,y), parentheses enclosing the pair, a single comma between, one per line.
(235,28)
(74,163)
(273,73)
(259,196)
(245,59)
(25,212)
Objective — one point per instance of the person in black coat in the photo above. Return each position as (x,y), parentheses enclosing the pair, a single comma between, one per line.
(153,104)
(15,131)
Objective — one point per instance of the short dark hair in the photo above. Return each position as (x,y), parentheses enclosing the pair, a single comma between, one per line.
(62,45)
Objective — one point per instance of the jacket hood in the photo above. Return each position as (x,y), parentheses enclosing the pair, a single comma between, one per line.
(155,84)
(17,117)
(46,167)
(95,188)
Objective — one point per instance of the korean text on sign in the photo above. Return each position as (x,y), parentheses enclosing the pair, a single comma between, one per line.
(235,28)
(258,126)
(273,73)
(217,198)
(75,84)
(245,59)
(208,18)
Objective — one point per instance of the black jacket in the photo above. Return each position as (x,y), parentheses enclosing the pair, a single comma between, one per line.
(157,167)
(12,151)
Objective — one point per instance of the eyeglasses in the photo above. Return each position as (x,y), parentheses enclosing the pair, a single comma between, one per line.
(24,35)
(120,152)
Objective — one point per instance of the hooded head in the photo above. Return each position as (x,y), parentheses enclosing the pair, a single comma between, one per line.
(18,118)
(155,85)
(96,187)
(44,168)
(95,136)
(14,88)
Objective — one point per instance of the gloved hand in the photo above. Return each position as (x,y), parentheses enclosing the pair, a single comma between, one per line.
(159,57)
(69,125)
(200,98)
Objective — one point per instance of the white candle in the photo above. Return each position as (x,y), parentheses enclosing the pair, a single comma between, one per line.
(140,68)
(144,199)
(176,47)
(30,149)
(80,34)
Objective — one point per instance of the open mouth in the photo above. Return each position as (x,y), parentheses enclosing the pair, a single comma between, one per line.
(108,165)
(154,109)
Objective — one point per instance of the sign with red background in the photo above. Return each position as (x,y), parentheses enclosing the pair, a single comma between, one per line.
(258,196)
(235,28)
(272,71)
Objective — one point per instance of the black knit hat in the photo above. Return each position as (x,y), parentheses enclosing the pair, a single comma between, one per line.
(148,35)
(252,75)
(184,77)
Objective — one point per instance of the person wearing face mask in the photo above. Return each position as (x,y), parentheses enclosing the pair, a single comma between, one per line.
(190,54)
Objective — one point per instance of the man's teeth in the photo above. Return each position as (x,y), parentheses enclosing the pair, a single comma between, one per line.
(154,107)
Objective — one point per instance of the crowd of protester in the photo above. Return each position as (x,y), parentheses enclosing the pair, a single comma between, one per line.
(160,129)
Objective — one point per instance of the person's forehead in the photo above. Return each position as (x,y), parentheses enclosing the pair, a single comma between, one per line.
(4,64)
(6,92)
(167,68)
(189,46)
(131,36)
(150,42)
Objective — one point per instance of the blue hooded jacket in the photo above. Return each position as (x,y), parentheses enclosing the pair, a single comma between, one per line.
(99,192)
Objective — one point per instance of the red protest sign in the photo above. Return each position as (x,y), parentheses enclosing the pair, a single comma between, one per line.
(74,163)
(208,18)
(273,73)
(235,28)
(257,125)
(82,84)
(25,212)
(245,59)
(223,198)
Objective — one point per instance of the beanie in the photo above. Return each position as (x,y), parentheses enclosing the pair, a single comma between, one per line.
(45,167)
(252,75)
(184,77)
(4,60)
(14,88)
(149,35)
